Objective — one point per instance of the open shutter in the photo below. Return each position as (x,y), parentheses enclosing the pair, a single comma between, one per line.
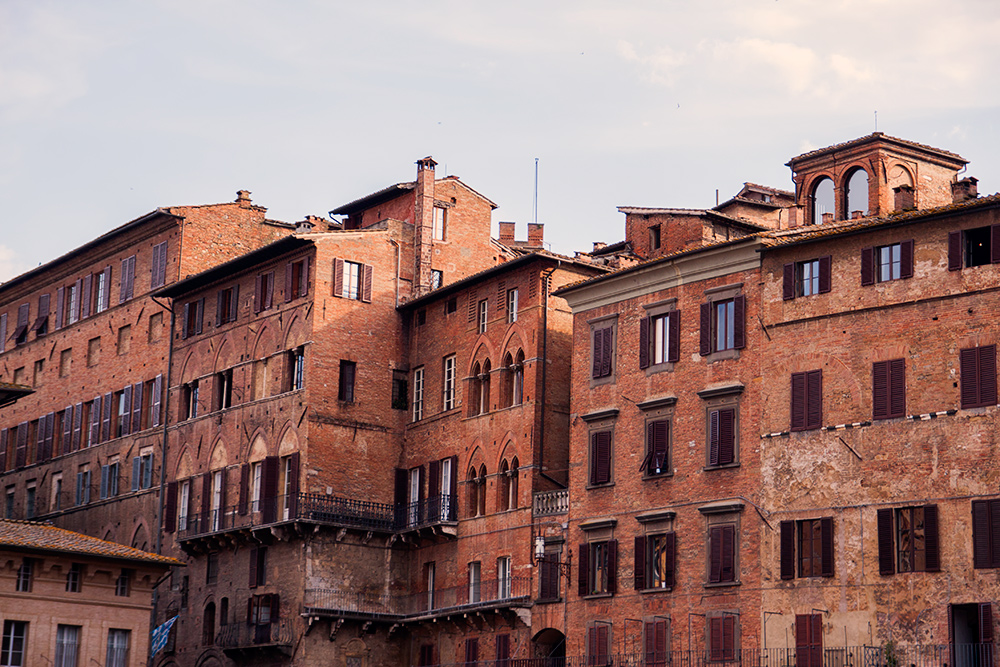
(77,425)
(868,266)
(107,288)
(21,452)
(170,509)
(583,571)
(598,352)
(715,555)
(366,283)
(293,484)
(644,342)
(136,472)
(106,416)
(674,335)
(3,449)
(826,546)
(123,283)
(304,278)
(607,351)
(258,294)
(206,501)
(95,421)
(705,346)
(932,544)
(157,399)
(906,259)
(269,490)
(219,315)
(713,438)
(788,282)
(740,322)
(104,481)
(954,251)
(67,430)
(897,387)
(50,425)
(814,399)
(244,489)
(60,305)
(136,407)
(670,556)
(728,553)
(338,277)
(199,315)
(433,491)
(787,549)
(986,625)
(968,361)
(126,416)
(289,287)
(639,571)
(880,390)
(825,274)
(886,550)
(612,566)
(988,375)
(727,436)
(85,296)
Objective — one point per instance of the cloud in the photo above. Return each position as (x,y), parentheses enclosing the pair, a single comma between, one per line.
(9,265)
(660,66)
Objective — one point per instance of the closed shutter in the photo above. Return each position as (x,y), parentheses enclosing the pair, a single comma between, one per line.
(136,407)
(471,651)
(932,544)
(503,649)
(366,283)
(639,570)
(986,627)
(600,465)
(612,566)
(880,390)
(603,643)
(21,450)
(713,438)
(988,375)
(716,639)
(814,413)
(868,266)
(60,306)
(583,571)
(705,345)
(715,555)
(219,312)
(787,549)
(906,259)
(798,396)
(88,281)
(472,305)
(252,580)
(607,351)
(727,436)
(674,336)
(597,346)
(644,342)
(826,546)
(825,271)
(304,278)
(136,473)
(50,425)
(886,549)
(170,509)
(954,251)
(897,388)
(67,430)
(269,490)
(106,410)
(199,315)
(157,400)
(728,638)
(244,489)
(728,553)
(788,282)
(3,449)
(740,322)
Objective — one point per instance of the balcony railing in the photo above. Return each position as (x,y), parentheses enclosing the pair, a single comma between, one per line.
(493,593)
(255,635)
(550,503)
(362,514)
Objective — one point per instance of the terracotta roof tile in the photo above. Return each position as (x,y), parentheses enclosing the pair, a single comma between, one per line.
(45,537)
(872,137)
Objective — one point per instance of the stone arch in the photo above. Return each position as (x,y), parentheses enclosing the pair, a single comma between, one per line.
(225,356)
(897,174)
(185,464)
(289,440)
(854,191)
(220,457)
(822,197)
(257,451)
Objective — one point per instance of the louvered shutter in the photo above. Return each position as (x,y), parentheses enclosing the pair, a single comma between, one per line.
(715,555)
(787,549)
(705,342)
(886,549)
(219,313)
(825,274)
(728,571)
(727,436)
(338,277)
(880,390)
(162,267)
(289,287)
(802,629)
(740,322)
(21,451)
(3,449)
(79,299)
(788,282)
(503,649)
(60,306)
(293,484)
(814,399)
(600,469)
(607,351)
(136,473)
(252,579)
(592,646)
(649,644)
(954,251)
(206,501)
(136,407)
(670,556)
(644,342)
(157,399)
(123,283)
(234,308)
(988,375)
(906,259)
(106,410)
(639,570)
(969,366)
(434,491)
(868,266)
(986,627)
(713,438)
(612,566)
(258,294)
(471,651)
(107,288)
(50,426)
(932,544)
(269,490)
(67,430)
(95,421)
(304,278)
(472,305)
(603,644)
(995,243)
(366,283)
(77,425)
(244,489)
(598,352)
(3,332)
(982,556)
(897,387)
(716,639)
(126,416)
(583,571)
(185,319)
(674,335)
(86,296)
(199,315)
(826,546)
(170,509)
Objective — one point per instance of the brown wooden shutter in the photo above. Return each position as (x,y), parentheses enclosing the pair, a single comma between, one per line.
(788,282)
(954,251)
(825,274)
(612,566)
(727,436)
(880,390)
(258,294)
(705,345)
(170,508)
(607,351)
(803,623)
(670,556)
(199,315)
(986,626)
(716,645)
(67,430)
(988,375)
(728,570)
(787,550)
(136,407)
(814,399)
(932,544)
(107,288)
(906,259)
(886,549)
(3,449)
(674,335)
(639,570)
(21,451)
(868,266)
(338,277)
(826,546)
(995,243)
(728,637)
(897,387)
(644,342)
(157,399)
(185,318)
(252,580)
(366,283)
(715,554)
(289,287)
(86,295)
(123,283)
(713,438)
(60,305)
(106,416)
(219,314)
(304,278)
(739,322)
(206,499)
(95,421)
(583,571)
(603,648)
(50,435)
(600,468)
(969,366)
(471,651)
(244,489)
(77,425)
(503,648)
(597,347)
(269,489)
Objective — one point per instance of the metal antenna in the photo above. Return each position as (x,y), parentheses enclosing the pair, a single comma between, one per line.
(876,120)
(534,204)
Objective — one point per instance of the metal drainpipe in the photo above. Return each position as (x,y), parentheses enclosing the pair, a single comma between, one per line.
(545,368)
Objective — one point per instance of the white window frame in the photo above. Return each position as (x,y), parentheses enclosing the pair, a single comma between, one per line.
(185,504)
(101,289)
(413,497)
(450,364)
(118,645)
(661,338)
(256,471)
(503,577)
(440,220)
(475,581)
(483,314)
(418,394)
(216,499)
(512,305)
(286,504)
(889,262)
(447,482)
(352,280)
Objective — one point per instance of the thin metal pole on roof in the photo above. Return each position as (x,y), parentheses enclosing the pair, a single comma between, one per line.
(534,204)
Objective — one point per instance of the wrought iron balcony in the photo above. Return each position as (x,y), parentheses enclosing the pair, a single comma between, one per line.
(243,636)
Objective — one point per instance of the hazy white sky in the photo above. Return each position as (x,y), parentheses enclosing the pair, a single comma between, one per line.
(110,109)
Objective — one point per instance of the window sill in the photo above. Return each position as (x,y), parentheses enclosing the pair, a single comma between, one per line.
(662,367)
(725,466)
(599,486)
(722,355)
(548,600)
(653,591)
(662,475)
(721,584)
(597,596)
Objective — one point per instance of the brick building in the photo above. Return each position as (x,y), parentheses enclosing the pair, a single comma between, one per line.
(784,436)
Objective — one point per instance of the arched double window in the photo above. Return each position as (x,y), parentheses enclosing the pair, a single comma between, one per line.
(484,388)
(508,485)
(822,199)
(477,490)
(512,380)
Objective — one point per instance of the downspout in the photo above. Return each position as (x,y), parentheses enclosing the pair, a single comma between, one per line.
(545,368)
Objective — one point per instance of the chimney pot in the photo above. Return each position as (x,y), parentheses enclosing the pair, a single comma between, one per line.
(243,197)
(964,189)
(827,218)
(904,197)
(857,215)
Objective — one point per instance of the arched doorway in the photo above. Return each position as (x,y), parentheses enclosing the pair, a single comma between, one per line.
(550,644)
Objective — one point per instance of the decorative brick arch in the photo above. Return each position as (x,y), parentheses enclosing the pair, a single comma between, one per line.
(288,441)
(263,343)
(296,332)
(189,368)
(140,536)
(219,457)
(225,356)
(184,467)
(257,446)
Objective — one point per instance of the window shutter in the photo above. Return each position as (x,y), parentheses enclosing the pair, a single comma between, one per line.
(60,304)
(269,489)
(95,421)
(740,322)
(705,344)
(170,510)
(713,438)
(994,506)
(126,417)
(607,352)
(79,299)
(293,484)
(157,399)
(123,283)
(814,399)
(612,566)
(67,430)
(995,243)
(969,366)
(433,479)
(366,285)
(162,268)
(136,407)
(234,308)
(304,278)
(886,550)
(184,320)
(206,500)
(826,546)
(50,425)
(788,282)
(670,556)
(3,450)
(583,571)
(218,308)
(868,266)
(252,582)
(787,549)
(603,649)
(649,644)
(982,555)
(597,336)
(503,647)
(727,436)
(136,472)
(715,638)
(644,342)
(106,416)
(715,555)
(825,274)
(897,387)
(954,251)
(107,287)
(988,375)
(77,425)
(21,452)
(288,282)
(932,545)
(244,489)
(104,481)
(728,570)
(880,390)
(600,469)
(639,571)
(674,335)
(986,626)
(471,651)
(258,294)
(728,637)
(199,316)
(85,297)
(338,277)
(906,259)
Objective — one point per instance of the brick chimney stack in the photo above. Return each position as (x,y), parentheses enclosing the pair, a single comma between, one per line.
(506,232)
(964,189)
(423,226)
(243,198)
(536,234)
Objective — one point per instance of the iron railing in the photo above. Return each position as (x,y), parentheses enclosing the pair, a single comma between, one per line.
(491,593)
(550,503)
(250,635)
(362,514)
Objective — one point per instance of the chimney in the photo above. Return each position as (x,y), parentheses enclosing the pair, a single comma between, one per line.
(827,218)
(304,226)
(312,223)
(904,197)
(793,217)
(536,233)
(243,198)
(857,215)
(599,245)
(964,190)
(423,225)
(507,232)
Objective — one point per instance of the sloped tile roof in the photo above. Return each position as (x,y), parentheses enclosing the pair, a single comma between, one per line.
(44,537)
(873,137)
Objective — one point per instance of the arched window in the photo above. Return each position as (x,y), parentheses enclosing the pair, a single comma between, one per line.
(482,489)
(224,612)
(512,486)
(484,384)
(208,625)
(856,193)
(507,382)
(822,199)
(473,487)
(475,391)
(503,487)
(518,379)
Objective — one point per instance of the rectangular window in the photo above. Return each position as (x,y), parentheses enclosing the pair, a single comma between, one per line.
(979,376)
(807,278)
(223,390)
(193,317)
(142,471)
(256,472)
(41,324)
(15,639)
(600,458)
(264,292)
(654,238)
(449,382)
(888,389)
(599,644)
(440,213)
(450,306)
(73,302)
(123,584)
(884,263)
(482,315)
(345,387)
(437,278)
(65,359)
(352,280)
(504,580)
(722,637)
(807,400)
(722,442)
(189,400)
(657,460)
(656,641)
(917,539)
(109,480)
(722,554)
(661,342)
(298,369)
(25,575)
(512,305)
(74,578)
(226,305)
(184,505)
(258,567)
(83,485)
(986,533)
(400,391)
(67,645)
(55,502)
(723,325)
(118,644)
(101,292)
(296,279)
(418,394)
(807,548)
(158,267)
(599,568)
(471,652)
(655,557)
(603,352)
(29,501)
(212,569)
(475,581)
(889,263)
(973,247)
(127,282)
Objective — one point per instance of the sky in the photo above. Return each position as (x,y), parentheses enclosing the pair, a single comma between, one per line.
(109,110)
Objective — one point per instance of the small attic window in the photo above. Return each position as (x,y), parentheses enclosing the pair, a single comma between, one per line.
(654,238)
